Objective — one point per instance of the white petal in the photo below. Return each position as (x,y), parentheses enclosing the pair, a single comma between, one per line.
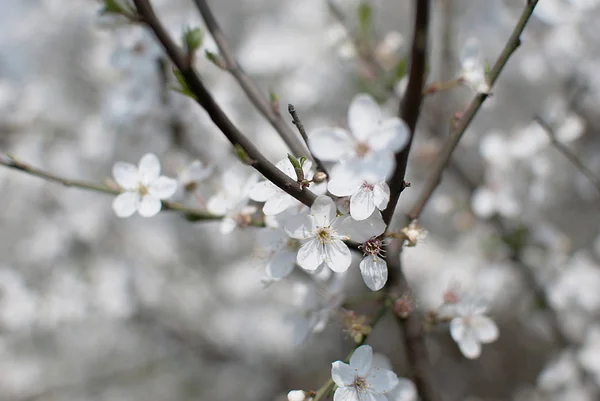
(149,206)
(163,187)
(362,359)
(298,226)
(376,166)
(381,195)
(470,346)
(219,204)
(392,136)
(148,168)
(279,203)
(362,230)
(310,256)
(228,225)
(483,202)
(364,115)
(374,272)
(342,374)
(125,204)
(126,175)
(330,144)
(470,55)
(281,264)
(404,391)
(382,380)
(346,394)
(362,204)
(337,256)
(485,328)
(286,166)
(263,191)
(323,211)
(457,328)
(344,180)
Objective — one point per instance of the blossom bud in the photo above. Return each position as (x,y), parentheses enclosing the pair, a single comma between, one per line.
(319,177)
(296,395)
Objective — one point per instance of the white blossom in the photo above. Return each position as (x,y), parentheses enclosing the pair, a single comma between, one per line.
(296,395)
(360,380)
(473,68)
(143,187)
(324,233)
(371,143)
(471,328)
(366,191)
(194,173)
(281,250)
(231,201)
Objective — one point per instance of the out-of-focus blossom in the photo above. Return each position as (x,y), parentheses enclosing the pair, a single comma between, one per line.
(471,327)
(143,187)
(473,67)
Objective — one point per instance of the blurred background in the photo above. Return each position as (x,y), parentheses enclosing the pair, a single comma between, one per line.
(93,307)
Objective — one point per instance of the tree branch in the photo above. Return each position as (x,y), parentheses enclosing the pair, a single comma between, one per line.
(435,177)
(204,98)
(247,84)
(296,120)
(410,106)
(566,152)
(15,164)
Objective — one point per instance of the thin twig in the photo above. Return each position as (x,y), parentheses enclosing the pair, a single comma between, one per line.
(410,106)
(13,163)
(217,115)
(302,131)
(572,157)
(435,177)
(259,100)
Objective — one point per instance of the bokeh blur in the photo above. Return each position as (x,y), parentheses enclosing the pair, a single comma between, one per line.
(94,307)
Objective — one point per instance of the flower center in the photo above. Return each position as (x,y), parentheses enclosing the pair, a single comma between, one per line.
(366,186)
(360,384)
(373,246)
(142,190)
(324,235)
(361,149)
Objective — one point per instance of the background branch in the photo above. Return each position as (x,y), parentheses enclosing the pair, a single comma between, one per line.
(247,84)
(204,98)
(435,177)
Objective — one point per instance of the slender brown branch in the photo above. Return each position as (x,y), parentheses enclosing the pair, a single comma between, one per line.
(259,100)
(410,106)
(204,98)
(566,152)
(435,177)
(13,163)
(296,120)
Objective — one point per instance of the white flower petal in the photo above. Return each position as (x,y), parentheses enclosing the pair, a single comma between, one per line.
(346,394)
(344,180)
(375,166)
(323,211)
(362,359)
(337,256)
(330,144)
(381,195)
(227,226)
(126,175)
(310,256)
(342,374)
(148,168)
(263,191)
(362,203)
(279,203)
(392,136)
(374,272)
(483,202)
(457,329)
(126,204)
(362,230)
(281,264)
(286,166)
(404,391)
(219,204)
(485,328)
(149,206)
(163,187)
(364,115)
(469,345)
(382,380)
(298,226)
